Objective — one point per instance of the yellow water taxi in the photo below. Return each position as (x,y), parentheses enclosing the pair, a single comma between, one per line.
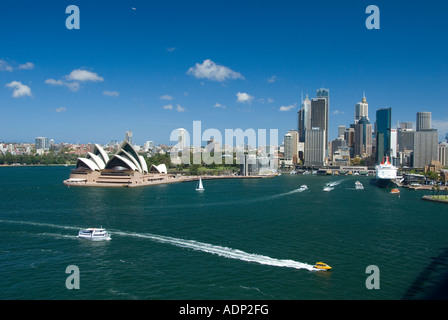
(322,266)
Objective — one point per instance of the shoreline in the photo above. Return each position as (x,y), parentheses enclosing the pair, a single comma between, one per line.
(436,199)
(69,183)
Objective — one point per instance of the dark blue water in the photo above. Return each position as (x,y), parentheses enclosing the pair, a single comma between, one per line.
(240,239)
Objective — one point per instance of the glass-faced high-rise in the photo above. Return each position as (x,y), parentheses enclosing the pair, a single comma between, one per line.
(383,133)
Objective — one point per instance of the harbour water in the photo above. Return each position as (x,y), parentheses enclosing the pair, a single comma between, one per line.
(239,239)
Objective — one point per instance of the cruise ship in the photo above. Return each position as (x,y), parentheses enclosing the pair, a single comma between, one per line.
(386,173)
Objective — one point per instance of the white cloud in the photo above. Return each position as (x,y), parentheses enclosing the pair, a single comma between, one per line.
(168,107)
(218,105)
(73,86)
(180,108)
(171,49)
(84,75)
(20,90)
(111,93)
(287,108)
(212,71)
(26,66)
(336,112)
(4,66)
(166,97)
(272,79)
(61,109)
(244,97)
(79,75)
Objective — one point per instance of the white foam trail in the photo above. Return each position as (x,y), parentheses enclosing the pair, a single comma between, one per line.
(197,246)
(222,251)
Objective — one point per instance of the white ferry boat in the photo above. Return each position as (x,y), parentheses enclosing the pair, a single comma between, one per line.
(328,188)
(303,187)
(94,234)
(385,173)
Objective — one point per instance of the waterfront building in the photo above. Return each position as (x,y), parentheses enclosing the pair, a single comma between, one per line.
(361,109)
(42,143)
(315,147)
(383,133)
(425,147)
(423,121)
(124,169)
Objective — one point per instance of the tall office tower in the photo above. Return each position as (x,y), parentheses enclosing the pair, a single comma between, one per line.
(304,118)
(423,121)
(295,145)
(425,147)
(325,94)
(181,139)
(363,137)
(383,133)
(287,147)
(42,143)
(362,109)
(405,125)
(128,137)
(443,154)
(319,117)
(315,147)
(341,132)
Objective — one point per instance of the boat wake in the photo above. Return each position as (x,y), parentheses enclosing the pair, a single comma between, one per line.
(221,251)
(195,245)
(333,183)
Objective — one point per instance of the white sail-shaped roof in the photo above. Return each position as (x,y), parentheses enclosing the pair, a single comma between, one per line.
(102,153)
(98,160)
(125,161)
(143,164)
(136,162)
(89,164)
(161,168)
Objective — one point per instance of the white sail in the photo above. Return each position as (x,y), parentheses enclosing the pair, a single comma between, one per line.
(200,186)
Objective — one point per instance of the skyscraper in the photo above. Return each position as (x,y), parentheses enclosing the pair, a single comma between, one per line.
(128,137)
(363,137)
(362,109)
(325,94)
(304,118)
(315,147)
(383,133)
(425,141)
(181,139)
(423,121)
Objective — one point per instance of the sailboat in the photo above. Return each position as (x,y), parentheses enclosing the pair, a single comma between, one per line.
(200,187)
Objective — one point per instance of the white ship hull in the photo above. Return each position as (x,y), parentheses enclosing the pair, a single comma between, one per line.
(385,173)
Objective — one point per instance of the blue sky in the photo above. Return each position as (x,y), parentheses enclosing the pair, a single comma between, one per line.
(153,66)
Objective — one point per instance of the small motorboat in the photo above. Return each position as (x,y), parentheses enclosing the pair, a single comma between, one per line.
(358,185)
(322,266)
(94,234)
(328,189)
(303,187)
(395,190)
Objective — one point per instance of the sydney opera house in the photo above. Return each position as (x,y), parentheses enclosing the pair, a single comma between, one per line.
(124,169)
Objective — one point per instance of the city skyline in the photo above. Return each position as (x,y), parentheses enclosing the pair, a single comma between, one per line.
(164,65)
